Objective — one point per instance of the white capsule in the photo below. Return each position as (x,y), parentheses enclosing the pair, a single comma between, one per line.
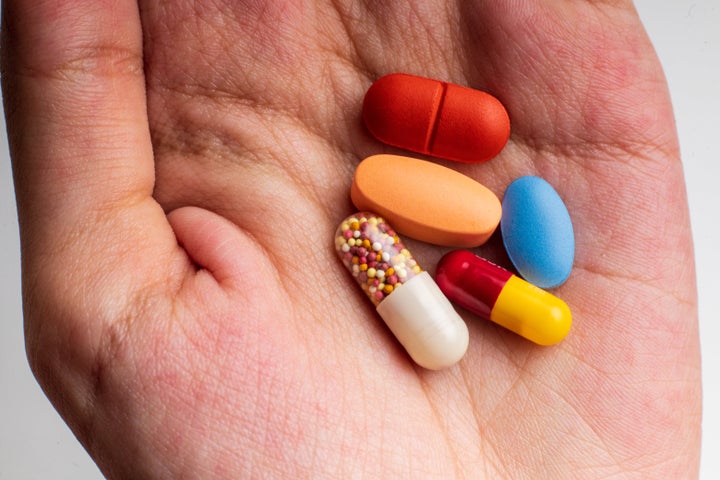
(407,298)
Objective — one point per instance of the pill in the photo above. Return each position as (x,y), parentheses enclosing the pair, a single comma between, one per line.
(496,294)
(537,232)
(406,297)
(436,118)
(426,201)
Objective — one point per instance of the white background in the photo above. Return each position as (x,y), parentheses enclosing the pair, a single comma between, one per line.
(36,444)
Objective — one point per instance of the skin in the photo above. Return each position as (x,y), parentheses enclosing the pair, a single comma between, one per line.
(180,170)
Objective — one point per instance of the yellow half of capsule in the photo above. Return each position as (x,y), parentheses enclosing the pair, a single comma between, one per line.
(531,312)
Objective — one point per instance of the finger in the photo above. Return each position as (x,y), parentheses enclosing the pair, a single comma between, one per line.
(74,90)
(215,244)
(93,238)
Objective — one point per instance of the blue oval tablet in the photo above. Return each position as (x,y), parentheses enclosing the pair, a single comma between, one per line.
(537,232)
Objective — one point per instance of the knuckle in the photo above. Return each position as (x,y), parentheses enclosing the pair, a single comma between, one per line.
(99,61)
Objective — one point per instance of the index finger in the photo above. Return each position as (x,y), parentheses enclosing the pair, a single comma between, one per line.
(74,94)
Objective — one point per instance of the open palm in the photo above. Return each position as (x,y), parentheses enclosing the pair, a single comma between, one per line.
(181,167)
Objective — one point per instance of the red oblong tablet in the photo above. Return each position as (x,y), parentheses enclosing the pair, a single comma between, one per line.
(436,118)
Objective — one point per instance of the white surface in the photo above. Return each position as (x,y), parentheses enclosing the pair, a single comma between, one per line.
(35,444)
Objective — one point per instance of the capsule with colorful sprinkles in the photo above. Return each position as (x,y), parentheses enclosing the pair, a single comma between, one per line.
(406,297)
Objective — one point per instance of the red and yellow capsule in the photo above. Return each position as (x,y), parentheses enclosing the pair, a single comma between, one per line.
(495,294)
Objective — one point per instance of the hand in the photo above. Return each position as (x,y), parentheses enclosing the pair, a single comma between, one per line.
(180,171)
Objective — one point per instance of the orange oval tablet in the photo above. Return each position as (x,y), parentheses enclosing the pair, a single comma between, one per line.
(426,201)
(436,118)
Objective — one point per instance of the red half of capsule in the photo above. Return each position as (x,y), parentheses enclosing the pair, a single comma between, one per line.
(470,281)
(497,295)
